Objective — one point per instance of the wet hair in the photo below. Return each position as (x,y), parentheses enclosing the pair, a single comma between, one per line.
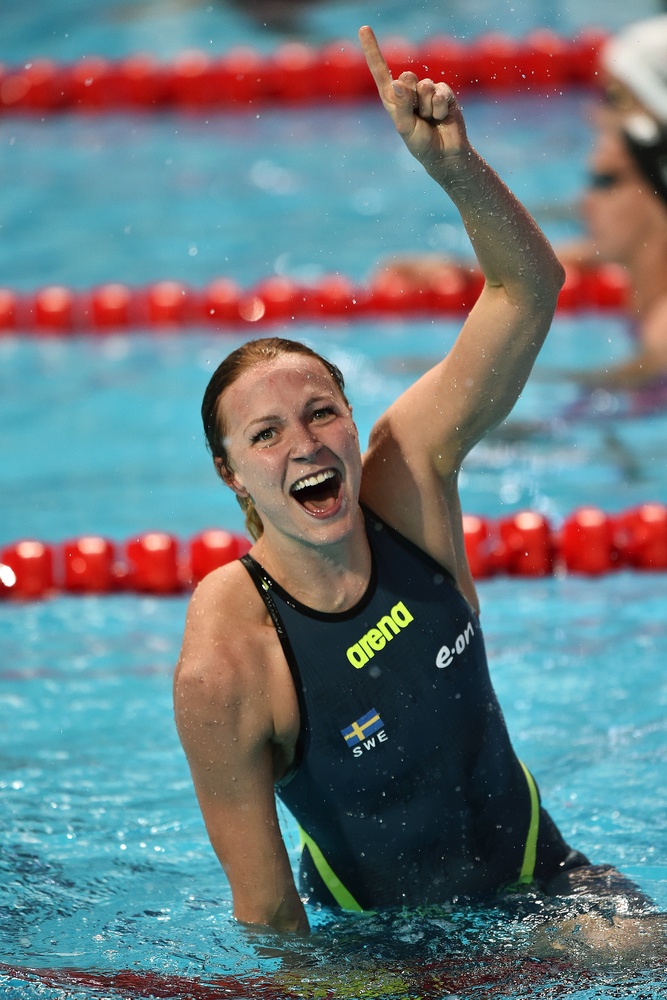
(646,142)
(252,353)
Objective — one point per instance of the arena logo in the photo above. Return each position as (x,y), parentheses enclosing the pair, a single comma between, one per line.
(377,638)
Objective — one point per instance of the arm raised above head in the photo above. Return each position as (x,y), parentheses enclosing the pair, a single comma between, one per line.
(234,717)
(476,385)
(417,446)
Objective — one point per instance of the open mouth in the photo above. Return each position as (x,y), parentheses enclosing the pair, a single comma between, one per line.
(318,494)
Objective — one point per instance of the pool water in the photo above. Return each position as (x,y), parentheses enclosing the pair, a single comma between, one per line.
(114,27)
(141,198)
(110,887)
(106,865)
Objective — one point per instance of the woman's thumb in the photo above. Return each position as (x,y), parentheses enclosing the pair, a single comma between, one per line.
(402,93)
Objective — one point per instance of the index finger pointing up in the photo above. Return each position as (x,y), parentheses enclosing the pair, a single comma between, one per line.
(376,61)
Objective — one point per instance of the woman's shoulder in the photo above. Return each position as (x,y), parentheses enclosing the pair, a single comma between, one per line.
(654,327)
(228,641)
(232,669)
(225,602)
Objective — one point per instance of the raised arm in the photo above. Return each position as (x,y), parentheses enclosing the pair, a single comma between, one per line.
(447,411)
(237,721)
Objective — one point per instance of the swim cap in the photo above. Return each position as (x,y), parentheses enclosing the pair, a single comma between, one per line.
(647,143)
(637,56)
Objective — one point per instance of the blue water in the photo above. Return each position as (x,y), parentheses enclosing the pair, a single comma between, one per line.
(72,29)
(105,862)
(138,199)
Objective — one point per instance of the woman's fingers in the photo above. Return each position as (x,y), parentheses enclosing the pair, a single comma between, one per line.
(376,63)
(443,100)
(409,78)
(429,99)
(425,93)
(417,107)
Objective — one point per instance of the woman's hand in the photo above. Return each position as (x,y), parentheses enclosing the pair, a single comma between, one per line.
(426,114)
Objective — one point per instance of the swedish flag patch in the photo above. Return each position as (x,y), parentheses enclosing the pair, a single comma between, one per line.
(362,728)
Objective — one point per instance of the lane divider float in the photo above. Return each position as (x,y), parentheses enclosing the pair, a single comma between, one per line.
(525,544)
(152,563)
(295,73)
(223,303)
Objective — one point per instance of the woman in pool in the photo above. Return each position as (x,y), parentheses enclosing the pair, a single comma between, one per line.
(625,211)
(342,663)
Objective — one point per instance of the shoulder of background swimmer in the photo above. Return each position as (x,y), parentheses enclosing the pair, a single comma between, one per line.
(653,332)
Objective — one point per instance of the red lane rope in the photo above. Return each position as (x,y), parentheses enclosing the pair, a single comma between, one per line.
(223,303)
(589,541)
(295,74)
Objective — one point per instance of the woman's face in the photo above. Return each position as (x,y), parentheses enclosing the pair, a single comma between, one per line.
(293,448)
(619,208)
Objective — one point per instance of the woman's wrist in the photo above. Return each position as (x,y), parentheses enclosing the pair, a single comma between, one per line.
(451,168)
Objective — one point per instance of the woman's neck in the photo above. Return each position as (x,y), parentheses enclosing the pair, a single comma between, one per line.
(329,578)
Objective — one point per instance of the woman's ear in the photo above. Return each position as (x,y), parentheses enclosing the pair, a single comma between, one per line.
(229,477)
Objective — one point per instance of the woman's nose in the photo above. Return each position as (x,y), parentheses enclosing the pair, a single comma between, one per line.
(305,443)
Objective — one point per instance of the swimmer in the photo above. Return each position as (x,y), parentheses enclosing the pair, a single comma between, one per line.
(340,664)
(624,209)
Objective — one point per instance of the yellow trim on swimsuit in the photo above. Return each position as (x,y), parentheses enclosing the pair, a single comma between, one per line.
(346,900)
(530,852)
(343,896)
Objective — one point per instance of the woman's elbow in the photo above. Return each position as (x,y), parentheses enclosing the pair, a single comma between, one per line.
(552,280)
(559,275)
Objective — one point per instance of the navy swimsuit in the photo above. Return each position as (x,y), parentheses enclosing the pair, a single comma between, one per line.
(406,787)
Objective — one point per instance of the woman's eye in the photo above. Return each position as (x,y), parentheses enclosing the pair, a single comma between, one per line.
(264,435)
